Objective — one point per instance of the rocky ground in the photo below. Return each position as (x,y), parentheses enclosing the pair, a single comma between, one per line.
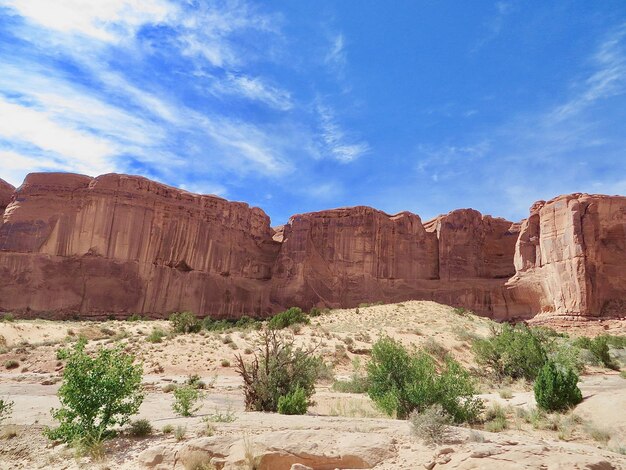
(341,431)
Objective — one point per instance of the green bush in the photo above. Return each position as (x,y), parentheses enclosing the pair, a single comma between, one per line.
(556,388)
(6,409)
(288,317)
(277,370)
(140,428)
(511,351)
(401,382)
(185,322)
(185,399)
(98,393)
(11,364)
(599,347)
(294,403)
(156,336)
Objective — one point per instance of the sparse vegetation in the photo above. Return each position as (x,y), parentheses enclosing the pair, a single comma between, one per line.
(277,370)
(140,428)
(185,322)
(186,398)
(556,388)
(357,383)
(511,351)
(179,432)
(287,318)
(495,418)
(6,409)
(167,429)
(156,336)
(599,348)
(401,382)
(431,425)
(11,364)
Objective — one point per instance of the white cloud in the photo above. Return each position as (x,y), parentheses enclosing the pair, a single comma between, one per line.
(88,153)
(105,20)
(336,56)
(252,88)
(336,141)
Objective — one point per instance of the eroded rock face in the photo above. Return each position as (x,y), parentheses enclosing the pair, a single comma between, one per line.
(6,193)
(345,257)
(121,244)
(571,256)
(116,245)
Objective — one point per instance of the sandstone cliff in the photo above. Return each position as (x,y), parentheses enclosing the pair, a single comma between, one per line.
(116,245)
(570,257)
(6,193)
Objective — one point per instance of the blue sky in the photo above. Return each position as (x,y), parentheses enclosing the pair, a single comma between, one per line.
(296,106)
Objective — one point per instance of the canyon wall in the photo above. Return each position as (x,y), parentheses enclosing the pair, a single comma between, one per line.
(570,257)
(121,244)
(72,245)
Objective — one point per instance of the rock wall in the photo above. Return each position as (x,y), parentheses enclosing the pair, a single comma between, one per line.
(344,257)
(570,257)
(6,193)
(122,244)
(116,245)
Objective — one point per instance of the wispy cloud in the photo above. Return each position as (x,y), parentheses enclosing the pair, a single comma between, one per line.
(336,142)
(252,88)
(494,25)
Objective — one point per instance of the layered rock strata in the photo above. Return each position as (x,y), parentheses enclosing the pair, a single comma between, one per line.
(570,257)
(72,245)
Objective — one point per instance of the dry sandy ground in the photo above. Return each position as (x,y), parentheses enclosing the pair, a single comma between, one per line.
(340,431)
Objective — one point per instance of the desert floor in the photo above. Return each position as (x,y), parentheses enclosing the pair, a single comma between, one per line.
(341,431)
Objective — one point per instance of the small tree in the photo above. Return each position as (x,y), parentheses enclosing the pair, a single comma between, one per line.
(556,388)
(185,399)
(287,318)
(98,392)
(277,370)
(185,322)
(401,382)
(511,351)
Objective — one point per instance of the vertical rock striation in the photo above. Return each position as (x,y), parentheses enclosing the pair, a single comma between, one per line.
(72,245)
(570,257)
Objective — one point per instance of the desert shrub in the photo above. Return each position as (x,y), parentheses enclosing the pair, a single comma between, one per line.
(140,428)
(431,425)
(294,403)
(185,400)
(8,317)
(179,432)
(167,429)
(622,374)
(195,381)
(11,364)
(599,347)
(288,317)
(315,312)
(277,370)
(511,351)
(222,416)
(156,336)
(6,409)
(98,392)
(556,388)
(198,460)
(496,419)
(185,322)
(134,317)
(225,363)
(168,388)
(357,383)
(567,355)
(400,382)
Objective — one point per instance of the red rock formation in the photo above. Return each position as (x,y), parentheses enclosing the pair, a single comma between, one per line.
(122,244)
(571,257)
(344,257)
(116,244)
(6,193)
